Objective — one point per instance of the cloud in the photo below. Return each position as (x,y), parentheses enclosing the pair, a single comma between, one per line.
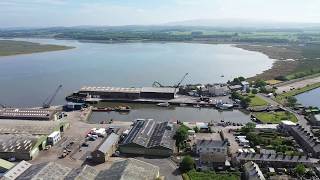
(121,12)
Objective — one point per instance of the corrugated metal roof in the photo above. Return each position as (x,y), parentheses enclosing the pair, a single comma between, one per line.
(17,170)
(111,140)
(158,89)
(149,133)
(132,169)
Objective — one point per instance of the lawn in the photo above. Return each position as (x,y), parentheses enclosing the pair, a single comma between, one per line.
(275,117)
(257,101)
(209,175)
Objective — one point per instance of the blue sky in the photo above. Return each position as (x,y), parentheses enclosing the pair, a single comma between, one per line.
(27,13)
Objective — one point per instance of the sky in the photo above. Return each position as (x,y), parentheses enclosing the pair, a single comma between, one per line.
(44,13)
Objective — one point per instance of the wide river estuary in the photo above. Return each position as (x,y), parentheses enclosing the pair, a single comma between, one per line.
(27,80)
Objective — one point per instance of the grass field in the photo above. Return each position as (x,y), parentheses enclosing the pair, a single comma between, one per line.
(257,101)
(8,47)
(209,175)
(282,97)
(275,117)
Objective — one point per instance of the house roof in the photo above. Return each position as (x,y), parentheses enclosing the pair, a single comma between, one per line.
(309,140)
(275,158)
(212,143)
(253,171)
(132,169)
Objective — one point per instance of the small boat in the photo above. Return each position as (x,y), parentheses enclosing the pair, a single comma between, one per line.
(164,104)
(123,109)
(196,106)
(222,76)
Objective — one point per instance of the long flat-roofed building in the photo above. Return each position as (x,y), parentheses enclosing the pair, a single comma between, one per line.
(126,93)
(28,114)
(148,137)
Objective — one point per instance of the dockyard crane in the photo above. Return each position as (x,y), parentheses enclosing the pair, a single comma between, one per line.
(177,86)
(157,84)
(48,101)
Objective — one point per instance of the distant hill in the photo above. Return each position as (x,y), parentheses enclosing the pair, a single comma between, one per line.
(242,23)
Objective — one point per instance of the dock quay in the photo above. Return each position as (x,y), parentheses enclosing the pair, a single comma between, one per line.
(146,95)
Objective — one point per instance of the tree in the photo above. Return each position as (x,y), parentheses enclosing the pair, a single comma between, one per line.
(187,164)
(300,170)
(181,136)
(241,78)
(249,127)
(196,129)
(260,83)
(291,101)
(254,91)
(245,102)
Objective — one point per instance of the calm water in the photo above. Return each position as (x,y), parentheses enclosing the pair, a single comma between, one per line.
(27,80)
(187,114)
(310,98)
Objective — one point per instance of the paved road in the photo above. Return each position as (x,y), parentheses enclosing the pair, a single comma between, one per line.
(297,84)
(167,167)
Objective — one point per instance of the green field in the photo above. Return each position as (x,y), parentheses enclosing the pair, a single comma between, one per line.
(275,117)
(209,175)
(257,101)
(282,97)
(8,47)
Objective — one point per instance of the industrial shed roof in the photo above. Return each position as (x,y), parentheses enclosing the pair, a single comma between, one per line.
(149,133)
(27,127)
(49,170)
(83,173)
(17,143)
(158,89)
(111,89)
(111,140)
(17,113)
(17,170)
(132,169)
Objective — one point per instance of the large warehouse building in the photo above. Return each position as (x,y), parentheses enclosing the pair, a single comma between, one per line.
(23,139)
(127,93)
(148,137)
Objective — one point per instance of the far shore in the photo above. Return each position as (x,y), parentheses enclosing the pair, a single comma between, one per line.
(13,47)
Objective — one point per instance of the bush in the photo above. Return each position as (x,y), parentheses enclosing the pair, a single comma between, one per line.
(187,164)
